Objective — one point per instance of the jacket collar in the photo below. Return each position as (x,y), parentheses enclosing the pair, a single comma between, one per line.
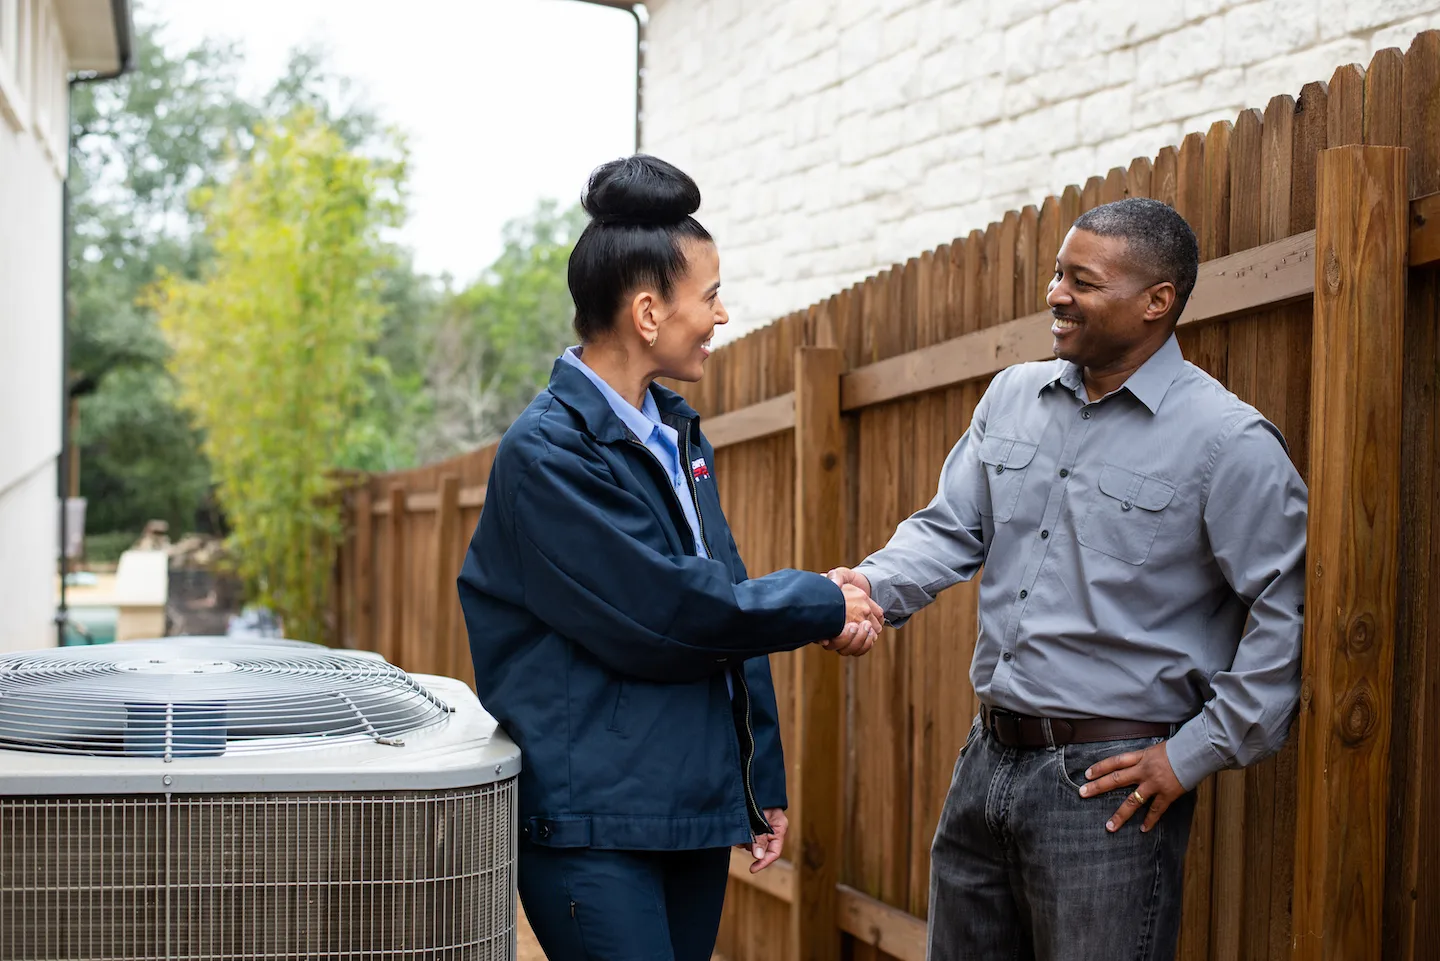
(573,389)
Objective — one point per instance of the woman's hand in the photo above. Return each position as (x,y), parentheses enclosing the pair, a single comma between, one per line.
(863,620)
(767,847)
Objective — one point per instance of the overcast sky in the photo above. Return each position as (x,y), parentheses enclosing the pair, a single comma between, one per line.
(504,101)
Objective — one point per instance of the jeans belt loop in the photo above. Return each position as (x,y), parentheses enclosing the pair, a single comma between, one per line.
(1049,734)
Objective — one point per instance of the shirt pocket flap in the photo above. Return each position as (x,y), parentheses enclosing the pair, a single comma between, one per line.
(1133,489)
(1009,453)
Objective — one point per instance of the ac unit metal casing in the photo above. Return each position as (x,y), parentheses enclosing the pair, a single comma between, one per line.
(222,800)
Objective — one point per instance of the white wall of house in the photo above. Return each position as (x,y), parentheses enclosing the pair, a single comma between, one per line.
(832,138)
(34,64)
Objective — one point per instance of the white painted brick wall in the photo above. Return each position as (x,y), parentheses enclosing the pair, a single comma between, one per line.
(832,138)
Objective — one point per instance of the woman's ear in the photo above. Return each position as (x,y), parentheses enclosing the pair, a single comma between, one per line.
(645,316)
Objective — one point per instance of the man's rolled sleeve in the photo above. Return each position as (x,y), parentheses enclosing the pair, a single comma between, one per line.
(1254,517)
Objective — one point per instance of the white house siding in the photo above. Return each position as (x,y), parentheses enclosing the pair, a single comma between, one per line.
(33,119)
(832,138)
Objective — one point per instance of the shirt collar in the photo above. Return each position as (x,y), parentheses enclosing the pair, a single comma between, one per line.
(1149,384)
(642,422)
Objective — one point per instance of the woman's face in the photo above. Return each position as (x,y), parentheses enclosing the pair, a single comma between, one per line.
(687,320)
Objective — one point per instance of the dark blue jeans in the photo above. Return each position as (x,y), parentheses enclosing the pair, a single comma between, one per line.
(589,905)
(1022,868)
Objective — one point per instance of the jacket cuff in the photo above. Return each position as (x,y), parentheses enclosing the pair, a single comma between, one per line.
(767,800)
(1192,756)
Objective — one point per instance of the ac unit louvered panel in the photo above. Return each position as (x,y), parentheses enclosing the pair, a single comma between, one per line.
(396,875)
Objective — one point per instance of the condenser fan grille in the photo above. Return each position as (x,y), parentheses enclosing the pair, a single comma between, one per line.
(278,877)
(163,699)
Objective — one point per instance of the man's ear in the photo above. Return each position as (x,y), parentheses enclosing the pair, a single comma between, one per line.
(1160,298)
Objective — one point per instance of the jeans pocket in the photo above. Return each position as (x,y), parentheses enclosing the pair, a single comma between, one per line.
(1075,759)
(970,738)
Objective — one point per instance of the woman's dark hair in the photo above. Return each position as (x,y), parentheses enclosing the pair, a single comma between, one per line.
(639,211)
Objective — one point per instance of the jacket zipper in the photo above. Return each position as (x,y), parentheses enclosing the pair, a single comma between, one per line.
(758,823)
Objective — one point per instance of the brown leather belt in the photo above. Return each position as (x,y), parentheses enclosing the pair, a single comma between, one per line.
(1024,731)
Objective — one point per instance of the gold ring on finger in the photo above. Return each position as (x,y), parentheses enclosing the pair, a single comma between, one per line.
(1137,797)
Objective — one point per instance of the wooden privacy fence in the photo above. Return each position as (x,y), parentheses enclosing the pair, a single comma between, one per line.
(1319,302)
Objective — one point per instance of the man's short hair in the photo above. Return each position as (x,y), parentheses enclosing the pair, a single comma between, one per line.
(1161,243)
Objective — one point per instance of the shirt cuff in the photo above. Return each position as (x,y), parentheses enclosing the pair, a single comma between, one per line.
(1192,756)
(883,592)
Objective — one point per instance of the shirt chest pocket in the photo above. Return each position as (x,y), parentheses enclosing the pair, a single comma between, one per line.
(1006,461)
(1126,512)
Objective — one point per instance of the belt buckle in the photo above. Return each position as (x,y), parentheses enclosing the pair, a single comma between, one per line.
(994,718)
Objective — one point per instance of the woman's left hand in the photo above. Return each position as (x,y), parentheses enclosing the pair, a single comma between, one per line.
(767,847)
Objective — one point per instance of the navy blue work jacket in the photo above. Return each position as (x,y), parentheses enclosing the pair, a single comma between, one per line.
(601,641)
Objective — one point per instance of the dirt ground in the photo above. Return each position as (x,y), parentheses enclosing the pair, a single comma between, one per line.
(529,950)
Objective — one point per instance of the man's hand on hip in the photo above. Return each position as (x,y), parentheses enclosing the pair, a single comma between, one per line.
(1154,779)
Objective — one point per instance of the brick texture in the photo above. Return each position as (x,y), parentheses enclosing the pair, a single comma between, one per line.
(831,138)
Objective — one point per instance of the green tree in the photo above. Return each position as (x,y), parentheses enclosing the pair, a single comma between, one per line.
(493,345)
(272,347)
(140,146)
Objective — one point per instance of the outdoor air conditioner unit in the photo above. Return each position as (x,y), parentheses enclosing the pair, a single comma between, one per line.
(173,800)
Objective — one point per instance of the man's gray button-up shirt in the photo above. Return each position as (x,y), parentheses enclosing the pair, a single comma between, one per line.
(1143,555)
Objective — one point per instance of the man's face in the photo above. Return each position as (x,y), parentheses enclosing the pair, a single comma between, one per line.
(1103,310)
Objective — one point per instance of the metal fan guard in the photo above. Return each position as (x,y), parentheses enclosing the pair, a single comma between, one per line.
(284,877)
(170,698)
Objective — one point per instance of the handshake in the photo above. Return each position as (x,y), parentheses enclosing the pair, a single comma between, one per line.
(863,617)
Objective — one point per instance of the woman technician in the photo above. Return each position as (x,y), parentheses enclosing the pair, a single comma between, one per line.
(614,633)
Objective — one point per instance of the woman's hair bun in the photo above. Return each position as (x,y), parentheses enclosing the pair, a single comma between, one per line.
(640,190)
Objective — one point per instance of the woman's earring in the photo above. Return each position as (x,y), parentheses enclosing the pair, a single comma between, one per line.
(653,338)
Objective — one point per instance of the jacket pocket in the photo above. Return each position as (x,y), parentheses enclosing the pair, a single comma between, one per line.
(622,701)
(1126,511)
(1006,461)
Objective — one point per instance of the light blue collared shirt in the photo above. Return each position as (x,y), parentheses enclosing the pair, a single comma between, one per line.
(658,437)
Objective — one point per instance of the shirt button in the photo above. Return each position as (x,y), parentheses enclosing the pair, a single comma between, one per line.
(1008,655)
(1085,414)
(1044,535)
(1024,594)
(1064,472)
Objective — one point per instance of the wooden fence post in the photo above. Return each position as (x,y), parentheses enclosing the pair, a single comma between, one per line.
(446,599)
(394,650)
(362,632)
(815,794)
(1352,558)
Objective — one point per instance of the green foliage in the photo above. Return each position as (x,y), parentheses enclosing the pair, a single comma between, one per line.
(301,342)
(140,146)
(107,548)
(495,341)
(272,347)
